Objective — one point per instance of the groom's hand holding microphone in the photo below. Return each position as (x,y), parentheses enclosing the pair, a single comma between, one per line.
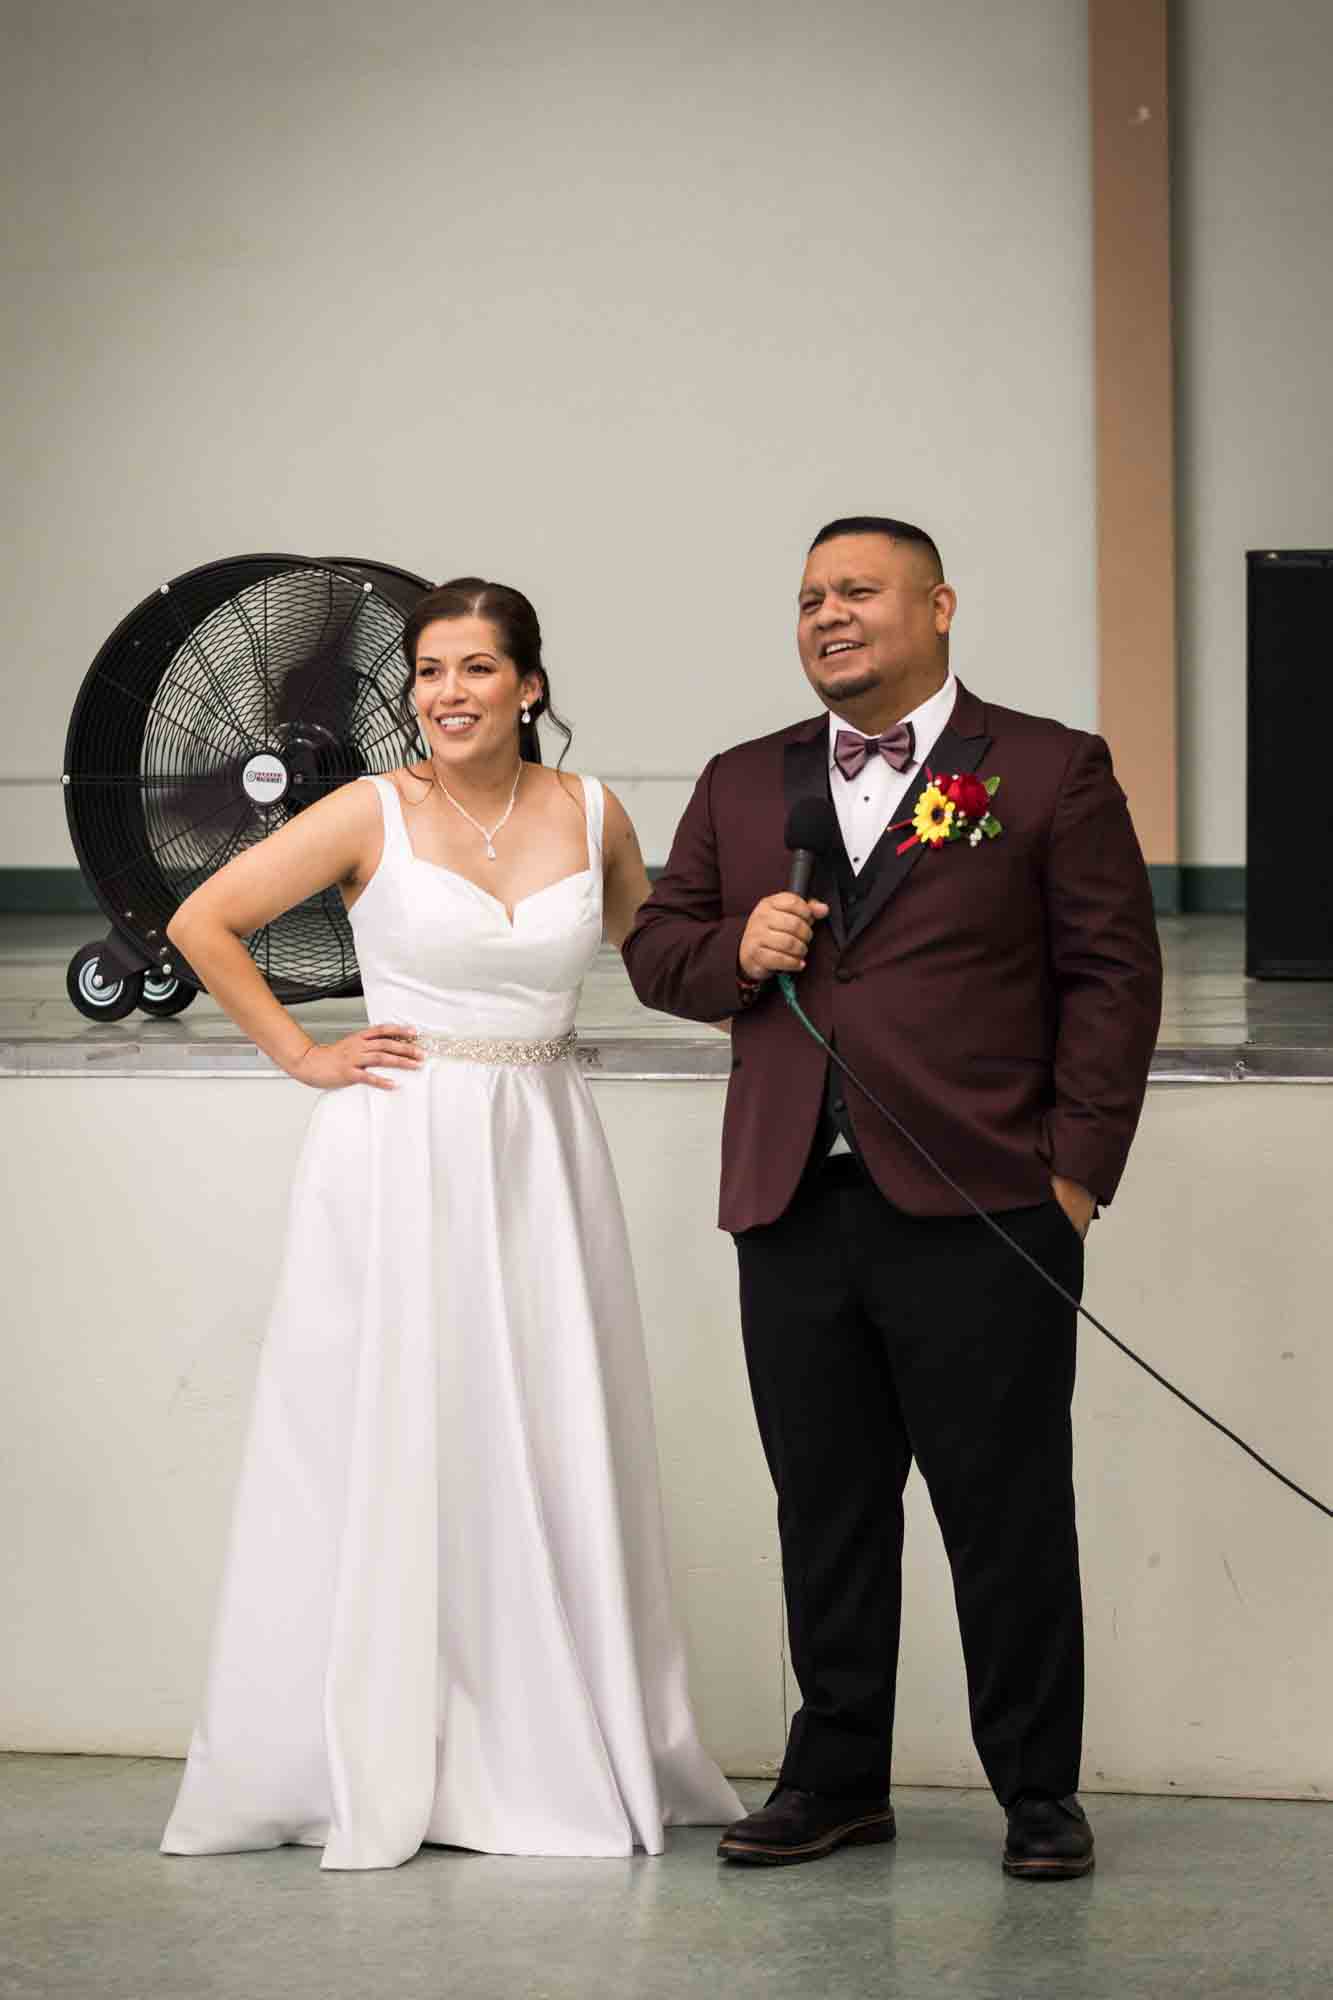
(777,936)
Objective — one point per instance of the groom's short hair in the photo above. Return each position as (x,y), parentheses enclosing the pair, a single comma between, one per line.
(881,524)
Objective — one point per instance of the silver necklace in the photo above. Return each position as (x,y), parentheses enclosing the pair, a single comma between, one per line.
(489,838)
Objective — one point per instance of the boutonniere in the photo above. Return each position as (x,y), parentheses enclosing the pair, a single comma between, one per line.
(956,808)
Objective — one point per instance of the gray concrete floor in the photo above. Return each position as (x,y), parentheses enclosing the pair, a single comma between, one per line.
(1191,1896)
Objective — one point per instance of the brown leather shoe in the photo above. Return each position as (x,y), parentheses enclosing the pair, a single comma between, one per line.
(805,1826)
(1048,1840)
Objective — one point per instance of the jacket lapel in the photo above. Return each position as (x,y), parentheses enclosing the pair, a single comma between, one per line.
(805,776)
(960,747)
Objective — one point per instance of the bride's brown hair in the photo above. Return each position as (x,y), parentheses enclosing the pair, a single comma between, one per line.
(514,619)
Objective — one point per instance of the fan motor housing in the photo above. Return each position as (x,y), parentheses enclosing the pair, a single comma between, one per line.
(265,779)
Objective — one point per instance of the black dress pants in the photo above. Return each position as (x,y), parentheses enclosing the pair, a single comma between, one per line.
(873,1337)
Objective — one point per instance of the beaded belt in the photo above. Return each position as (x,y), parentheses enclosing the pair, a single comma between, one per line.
(478,1049)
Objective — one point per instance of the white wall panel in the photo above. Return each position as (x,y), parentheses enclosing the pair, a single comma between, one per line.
(616,302)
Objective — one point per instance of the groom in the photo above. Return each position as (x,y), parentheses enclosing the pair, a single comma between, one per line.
(984,955)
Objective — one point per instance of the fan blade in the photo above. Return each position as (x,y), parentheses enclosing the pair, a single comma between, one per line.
(174,802)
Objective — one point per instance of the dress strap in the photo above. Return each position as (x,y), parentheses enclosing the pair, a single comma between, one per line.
(594,812)
(391,807)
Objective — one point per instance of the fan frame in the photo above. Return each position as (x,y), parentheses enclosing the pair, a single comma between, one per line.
(125,949)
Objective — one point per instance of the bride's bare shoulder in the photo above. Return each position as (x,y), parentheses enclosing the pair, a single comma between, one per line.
(565,784)
(410,782)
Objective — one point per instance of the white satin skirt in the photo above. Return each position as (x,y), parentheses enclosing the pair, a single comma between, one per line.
(446,1614)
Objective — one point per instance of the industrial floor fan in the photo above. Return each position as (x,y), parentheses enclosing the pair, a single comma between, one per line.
(226,702)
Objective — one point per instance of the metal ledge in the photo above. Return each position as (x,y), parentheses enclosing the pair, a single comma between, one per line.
(1247,1063)
(615,1058)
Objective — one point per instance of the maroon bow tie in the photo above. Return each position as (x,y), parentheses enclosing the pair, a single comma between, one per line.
(897,746)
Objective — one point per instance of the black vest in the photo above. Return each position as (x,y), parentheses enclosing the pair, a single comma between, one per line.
(851,890)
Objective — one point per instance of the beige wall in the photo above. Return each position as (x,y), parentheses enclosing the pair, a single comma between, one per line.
(1251,90)
(126,1378)
(618,301)
(619,305)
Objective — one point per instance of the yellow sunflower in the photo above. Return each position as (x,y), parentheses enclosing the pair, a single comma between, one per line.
(933,816)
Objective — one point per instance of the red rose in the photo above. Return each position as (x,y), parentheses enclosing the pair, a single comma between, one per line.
(968,796)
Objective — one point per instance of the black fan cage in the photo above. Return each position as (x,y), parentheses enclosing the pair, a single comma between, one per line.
(228,701)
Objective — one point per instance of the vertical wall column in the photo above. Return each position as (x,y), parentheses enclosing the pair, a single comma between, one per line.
(1136,559)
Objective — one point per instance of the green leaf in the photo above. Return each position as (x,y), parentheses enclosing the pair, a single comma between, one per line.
(990,826)
(992,786)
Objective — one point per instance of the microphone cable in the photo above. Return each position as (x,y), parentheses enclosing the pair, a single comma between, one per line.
(788,988)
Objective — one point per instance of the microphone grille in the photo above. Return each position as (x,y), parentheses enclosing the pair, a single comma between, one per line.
(812,825)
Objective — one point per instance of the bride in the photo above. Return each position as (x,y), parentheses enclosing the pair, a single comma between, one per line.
(445,1615)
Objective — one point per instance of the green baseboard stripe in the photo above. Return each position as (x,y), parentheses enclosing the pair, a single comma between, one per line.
(1176,891)
(1186,890)
(46,892)
(1165,880)
(1212,892)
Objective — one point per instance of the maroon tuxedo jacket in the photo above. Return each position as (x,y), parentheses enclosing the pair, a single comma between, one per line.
(1003,1000)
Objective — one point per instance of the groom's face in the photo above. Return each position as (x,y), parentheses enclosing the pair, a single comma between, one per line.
(873,617)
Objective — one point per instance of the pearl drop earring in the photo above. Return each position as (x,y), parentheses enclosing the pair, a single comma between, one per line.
(526,716)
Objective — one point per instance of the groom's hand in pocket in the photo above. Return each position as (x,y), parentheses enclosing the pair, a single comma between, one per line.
(1078,1204)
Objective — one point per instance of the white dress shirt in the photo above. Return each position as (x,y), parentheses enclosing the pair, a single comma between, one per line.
(868,803)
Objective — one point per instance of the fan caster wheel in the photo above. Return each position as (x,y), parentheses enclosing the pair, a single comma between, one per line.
(164,996)
(99,993)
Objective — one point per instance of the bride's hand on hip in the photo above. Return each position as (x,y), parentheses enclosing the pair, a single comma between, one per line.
(335,1065)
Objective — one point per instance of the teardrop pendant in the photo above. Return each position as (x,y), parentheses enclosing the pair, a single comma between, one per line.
(487,833)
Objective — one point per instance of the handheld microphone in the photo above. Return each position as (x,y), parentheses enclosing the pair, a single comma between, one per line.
(811,833)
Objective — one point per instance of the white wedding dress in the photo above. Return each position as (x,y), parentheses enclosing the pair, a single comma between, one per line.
(446,1613)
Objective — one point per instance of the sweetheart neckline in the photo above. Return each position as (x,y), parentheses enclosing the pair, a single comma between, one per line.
(506,909)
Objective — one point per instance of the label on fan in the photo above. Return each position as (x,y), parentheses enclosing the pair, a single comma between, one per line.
(265,779)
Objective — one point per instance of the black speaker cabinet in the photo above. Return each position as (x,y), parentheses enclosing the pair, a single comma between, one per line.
(1289,839)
